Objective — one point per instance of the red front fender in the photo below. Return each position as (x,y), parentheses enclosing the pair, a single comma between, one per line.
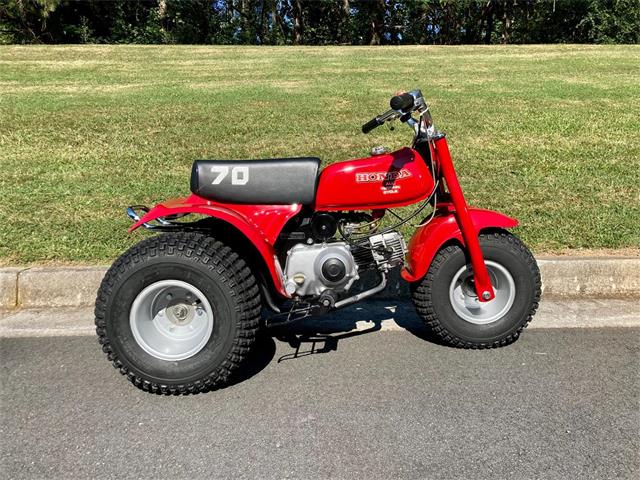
(261,224)
(427,240)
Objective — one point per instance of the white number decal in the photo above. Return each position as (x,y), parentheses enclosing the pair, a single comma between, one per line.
(222,173)
(239,175)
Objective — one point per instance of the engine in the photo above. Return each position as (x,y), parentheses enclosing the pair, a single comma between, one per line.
(384,251)
(335,266)
(310,269)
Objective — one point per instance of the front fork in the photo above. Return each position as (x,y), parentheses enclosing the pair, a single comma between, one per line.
(442,157)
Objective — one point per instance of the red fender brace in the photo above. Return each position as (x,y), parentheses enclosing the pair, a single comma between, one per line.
(260,224)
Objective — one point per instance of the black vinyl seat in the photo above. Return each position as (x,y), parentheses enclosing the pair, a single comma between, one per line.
(276,181)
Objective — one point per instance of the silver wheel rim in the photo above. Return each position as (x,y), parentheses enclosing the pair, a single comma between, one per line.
(171,320)
(465,301)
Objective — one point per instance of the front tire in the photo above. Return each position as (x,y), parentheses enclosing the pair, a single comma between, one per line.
(178,313)
(446,301)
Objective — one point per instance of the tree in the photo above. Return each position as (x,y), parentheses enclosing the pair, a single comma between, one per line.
(298,24)
(320,22)
(25,21)
(611,21)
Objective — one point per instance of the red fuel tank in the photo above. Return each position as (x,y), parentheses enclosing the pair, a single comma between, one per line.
(382,181)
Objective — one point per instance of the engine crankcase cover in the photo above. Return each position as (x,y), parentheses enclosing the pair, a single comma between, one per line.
(311,269)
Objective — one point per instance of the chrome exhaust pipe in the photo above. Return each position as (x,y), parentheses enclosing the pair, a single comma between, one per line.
(367,293)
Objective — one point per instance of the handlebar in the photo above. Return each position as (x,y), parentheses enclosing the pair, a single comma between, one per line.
(401,107)
(379,120)
(371,124)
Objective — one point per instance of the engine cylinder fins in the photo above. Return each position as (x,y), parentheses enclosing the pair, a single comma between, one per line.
(388,249)
(363,257)
(380,251)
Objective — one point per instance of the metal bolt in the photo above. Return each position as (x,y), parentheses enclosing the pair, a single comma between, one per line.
(181,312)
(486,295)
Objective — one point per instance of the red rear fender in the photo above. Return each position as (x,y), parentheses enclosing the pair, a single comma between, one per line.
(427,240)
(260,224)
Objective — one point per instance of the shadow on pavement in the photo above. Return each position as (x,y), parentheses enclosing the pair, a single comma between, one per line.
(322,334)
(319,342)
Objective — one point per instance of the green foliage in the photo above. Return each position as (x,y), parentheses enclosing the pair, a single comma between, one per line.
(25,21)
(612,21)
(326,22)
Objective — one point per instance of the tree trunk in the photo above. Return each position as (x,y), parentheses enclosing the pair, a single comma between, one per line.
(162,14)
(263,23)
(244,22)
(506,23)
(377,22)
(345,34)
(489,22)
(273,37)
(282,28)
(298,24)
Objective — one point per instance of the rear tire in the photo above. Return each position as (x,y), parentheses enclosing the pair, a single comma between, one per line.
(445,298)
(178,313)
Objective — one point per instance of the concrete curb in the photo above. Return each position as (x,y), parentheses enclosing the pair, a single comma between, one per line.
(58,287)
(564,277)
(590,277)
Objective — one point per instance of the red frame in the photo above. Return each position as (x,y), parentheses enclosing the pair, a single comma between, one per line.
(338,190)
(442,157)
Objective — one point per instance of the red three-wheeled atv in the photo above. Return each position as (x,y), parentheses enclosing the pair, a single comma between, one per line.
(179,312)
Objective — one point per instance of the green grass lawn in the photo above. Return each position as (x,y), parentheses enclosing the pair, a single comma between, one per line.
(548,134)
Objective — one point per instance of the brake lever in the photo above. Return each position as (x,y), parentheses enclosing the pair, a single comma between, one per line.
(380,120)
(389,115)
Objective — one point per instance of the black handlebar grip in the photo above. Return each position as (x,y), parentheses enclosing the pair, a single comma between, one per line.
(371,124)
(402,102)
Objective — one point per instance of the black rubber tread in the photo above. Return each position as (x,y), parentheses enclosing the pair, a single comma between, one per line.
(208,251)
(422,295)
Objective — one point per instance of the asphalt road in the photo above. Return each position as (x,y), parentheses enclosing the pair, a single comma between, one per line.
(369,404)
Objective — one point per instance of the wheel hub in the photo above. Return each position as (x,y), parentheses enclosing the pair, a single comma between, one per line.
(171,320)
(181,314)
(464,299)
